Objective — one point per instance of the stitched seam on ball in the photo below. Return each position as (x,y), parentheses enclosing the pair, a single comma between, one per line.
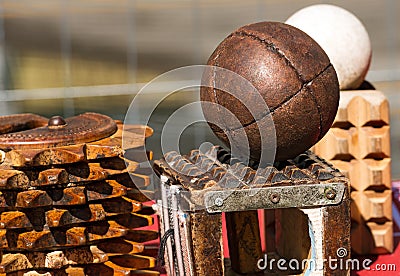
(315,98)
(288,99)
(305,83)
(214,87)
(272,110)
(272,47)
(318,108)
(275,49)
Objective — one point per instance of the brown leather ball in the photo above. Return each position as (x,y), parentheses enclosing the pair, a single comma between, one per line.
(292,74)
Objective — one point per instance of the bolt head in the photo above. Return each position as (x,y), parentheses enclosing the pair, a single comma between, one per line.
(219,202)
(330,193)
(275,198)
(56,121)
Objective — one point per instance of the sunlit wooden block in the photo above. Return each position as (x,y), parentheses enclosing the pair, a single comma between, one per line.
(369,173)
(336,144)
(362,107)
(372,238)
(370,205)
(370,142)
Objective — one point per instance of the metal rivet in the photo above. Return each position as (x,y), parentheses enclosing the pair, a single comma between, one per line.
(330,193)
(56,121)
(219,202)
(275,198)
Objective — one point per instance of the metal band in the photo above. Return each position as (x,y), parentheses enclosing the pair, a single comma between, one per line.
(307,195)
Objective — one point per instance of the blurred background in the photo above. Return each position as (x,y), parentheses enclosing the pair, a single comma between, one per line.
(67,56)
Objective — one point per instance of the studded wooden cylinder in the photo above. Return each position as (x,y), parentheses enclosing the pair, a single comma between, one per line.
(70,200)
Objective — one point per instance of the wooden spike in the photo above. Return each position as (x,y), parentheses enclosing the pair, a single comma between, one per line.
(35,240)
(120,246)
(106,231)
(117,163)
(132,261)
(76,236)
(13,179)
(107,147)
(140,130)
(14,219)
(51,177)
(120,205)
(103,149)
(133,220)
(46,157)
(105,189)
(99,269)
(33,198)
(68,196)
(63,217)
(147,211)
(138,155)
(3,239)
(144,273)
(134,137)
(141,235)
(133,180)
(84,172)
(13,262)
(141,196)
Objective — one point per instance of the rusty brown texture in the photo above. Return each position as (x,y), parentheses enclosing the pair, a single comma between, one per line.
(84,151)
(118,246)
(290,73)
(20,122)
(87,127)
(14,219)
(73,191)
(81,214)
(337,234)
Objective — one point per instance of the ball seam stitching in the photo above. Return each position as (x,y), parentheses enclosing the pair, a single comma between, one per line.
(275,49)
(305,83)
(315,99)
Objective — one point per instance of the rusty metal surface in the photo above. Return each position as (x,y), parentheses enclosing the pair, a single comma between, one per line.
(85,152)
(80,172)
(69,196)
(216,172)
(20,122)
(110,193)
(204,184)
(87,127)
(306,195)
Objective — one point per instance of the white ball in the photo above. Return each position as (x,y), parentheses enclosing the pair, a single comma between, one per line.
(343,37)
